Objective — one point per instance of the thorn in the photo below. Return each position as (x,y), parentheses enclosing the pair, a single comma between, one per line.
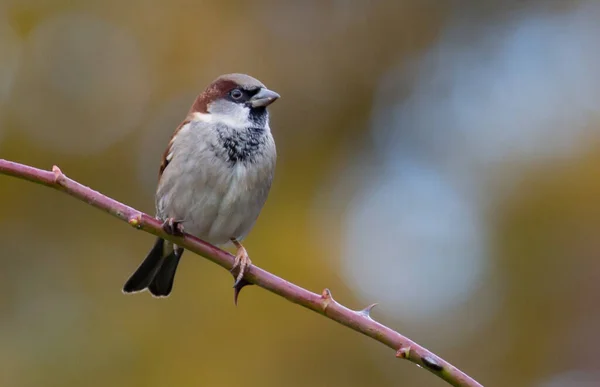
(327,298)
(135,220)
(367,311)
(58,175)
(237,288)
(56,170)
(404,353)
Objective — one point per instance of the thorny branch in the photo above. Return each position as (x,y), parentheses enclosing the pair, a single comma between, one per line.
(323,303)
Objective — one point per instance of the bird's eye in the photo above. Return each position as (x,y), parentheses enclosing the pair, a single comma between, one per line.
(236,94)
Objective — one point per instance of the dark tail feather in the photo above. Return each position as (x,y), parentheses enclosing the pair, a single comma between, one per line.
(146,272)
(162,284)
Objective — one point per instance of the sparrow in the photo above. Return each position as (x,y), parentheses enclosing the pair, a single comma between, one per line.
(214,178)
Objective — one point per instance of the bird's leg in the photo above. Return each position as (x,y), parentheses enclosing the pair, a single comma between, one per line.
(242,262)
(173,227)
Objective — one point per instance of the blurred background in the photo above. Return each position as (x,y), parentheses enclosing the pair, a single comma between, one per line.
(441,158)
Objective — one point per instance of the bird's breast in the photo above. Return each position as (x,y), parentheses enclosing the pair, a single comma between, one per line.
(218,190)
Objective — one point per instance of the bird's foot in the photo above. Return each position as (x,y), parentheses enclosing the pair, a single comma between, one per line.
(241,263)
(173,227)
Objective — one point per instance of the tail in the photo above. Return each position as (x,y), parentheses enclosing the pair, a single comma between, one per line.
(157,271)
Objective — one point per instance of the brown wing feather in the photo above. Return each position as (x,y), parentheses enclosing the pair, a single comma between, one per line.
(164,161)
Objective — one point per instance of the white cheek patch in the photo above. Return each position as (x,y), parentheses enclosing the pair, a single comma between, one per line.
(237,117)
(204,117)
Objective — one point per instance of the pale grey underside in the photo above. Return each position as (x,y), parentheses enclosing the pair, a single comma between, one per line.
(214,200)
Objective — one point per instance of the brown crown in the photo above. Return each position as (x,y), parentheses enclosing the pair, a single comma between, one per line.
(219,89)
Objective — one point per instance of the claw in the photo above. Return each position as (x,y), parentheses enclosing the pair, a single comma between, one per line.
(239,279)
(242,263)
(173,227)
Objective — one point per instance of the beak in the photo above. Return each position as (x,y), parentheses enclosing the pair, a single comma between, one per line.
(263,98)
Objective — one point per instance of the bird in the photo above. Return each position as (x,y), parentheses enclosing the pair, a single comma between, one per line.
(214,178)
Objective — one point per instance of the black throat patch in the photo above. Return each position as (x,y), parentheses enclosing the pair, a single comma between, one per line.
(240,146)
